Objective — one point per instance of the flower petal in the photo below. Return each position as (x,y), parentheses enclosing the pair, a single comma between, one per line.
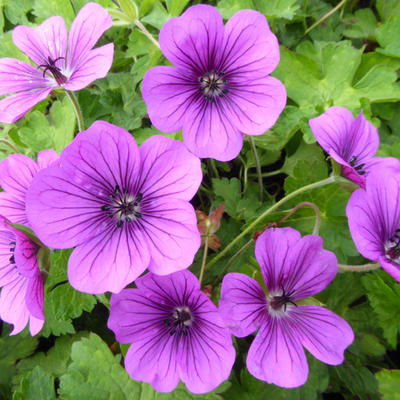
(242,304)
(88,26)
(192,41)
(255,105)
(167,92)
(94,65)
(168,169)
(301,266)
(323,333)
(34,296)
(46,158)
(170,231)
(17,76)
(250,48)
(277,356)
(209,133)
(47,40)
(25,255)
(108,261)
(15,106)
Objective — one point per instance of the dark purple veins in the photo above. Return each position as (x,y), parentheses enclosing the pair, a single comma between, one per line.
(123,206)
(358,168)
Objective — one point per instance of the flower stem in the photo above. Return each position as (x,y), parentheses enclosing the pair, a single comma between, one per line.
(203,262)
(77,109)
(309,204)
(232,259)
(290,196)
(7,143)
(359,268)
(258,168)
(146,32)
(322,19)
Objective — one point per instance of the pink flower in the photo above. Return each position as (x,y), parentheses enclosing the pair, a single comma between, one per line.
(62,61)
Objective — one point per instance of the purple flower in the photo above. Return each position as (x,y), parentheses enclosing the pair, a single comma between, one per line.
(21,297)
(123,208)
(374,218)
(350,142)
(61,61)
(293,268)
(16,174)
(176,333)
(220,86)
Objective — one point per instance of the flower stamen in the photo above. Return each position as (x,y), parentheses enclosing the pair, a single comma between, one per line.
(213,85)
(179,321)
(55,71)
(392,248)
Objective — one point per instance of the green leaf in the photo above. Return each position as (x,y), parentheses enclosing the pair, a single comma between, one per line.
(384,295)
(38,384)
(277,8)
(386,36)
(16,10)
(388,8)
(229,192)
(175,7)
(158,16)
(362,25)
(389,384)
(9,49)
(54,131)
(47,8)
(230,7)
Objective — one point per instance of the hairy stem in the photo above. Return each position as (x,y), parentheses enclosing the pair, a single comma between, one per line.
(203,262)
(77,109)
(309,204)
(146,32)
(10,145)
(359,268)
(258,169)
(290,196)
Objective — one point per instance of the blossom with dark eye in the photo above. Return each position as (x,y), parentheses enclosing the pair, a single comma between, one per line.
(175,331)
(220,87)
(21,282)
(62,60)
(293,268)
(123,208)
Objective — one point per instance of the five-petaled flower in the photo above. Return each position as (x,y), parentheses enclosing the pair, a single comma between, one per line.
(293,268)
(220,88)
(16,174)
(21,297)
(123,208)
(373,214)
(350,142)
(176,333)
(62,61)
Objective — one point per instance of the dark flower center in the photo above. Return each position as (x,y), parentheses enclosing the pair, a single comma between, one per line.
(50,66)
(358,168)
(281,301)
(213,85)
(392,248)
(123,206)
(12,249)
(179,321)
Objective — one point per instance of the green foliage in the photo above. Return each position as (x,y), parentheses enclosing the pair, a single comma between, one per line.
(389,384)
(38,384)
(361,25)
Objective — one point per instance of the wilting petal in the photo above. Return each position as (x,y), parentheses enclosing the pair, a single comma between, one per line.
(255,105)
(94,65)
(88,26)
(208,131)
(301,267)
(170,230)
(242,304)
(17,76)
(207,357)
(47,40)
(277,356)
(193,40)
(323,333)
(167,93)
(168,169)
(250,49)
(15,106)
(108,261)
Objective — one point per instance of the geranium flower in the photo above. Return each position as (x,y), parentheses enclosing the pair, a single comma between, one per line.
(176,333)
(293,268)
(350,142)
(21,296)
(374,219)
(123,208)
(16,174)
(61,61)
(220,86)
